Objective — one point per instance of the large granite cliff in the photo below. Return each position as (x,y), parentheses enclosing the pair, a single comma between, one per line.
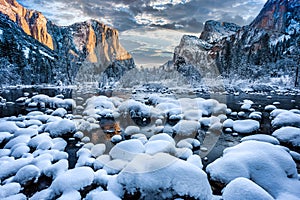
(82,52)
(266,51)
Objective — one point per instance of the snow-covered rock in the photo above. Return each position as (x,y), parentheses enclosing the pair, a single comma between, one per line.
(103,195)
(131,130)
(116,138)
(98,150)
(57,168)
(243,188)
(177,178)
(61,128)
(8,126)
(186,128)
(5,136)
(19,150)
(262,138)
(9,189)
(17,140)
(270,108)
(60,112)
(188,143)
(115,166)
(195,160)
(38,139)
(84,158)
(162,136)
(156,146)
(286,118)
(269,166)
(11,167)
(26,131)
(73,179)
(255,115)
(26,174)
(290,135)
(246,126)
(127,150)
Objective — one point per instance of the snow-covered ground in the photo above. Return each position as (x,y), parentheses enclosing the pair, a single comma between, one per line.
(148,147)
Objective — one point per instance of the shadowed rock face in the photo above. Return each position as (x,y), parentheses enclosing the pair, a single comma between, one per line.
(267,48)
(88,48)
(277,15)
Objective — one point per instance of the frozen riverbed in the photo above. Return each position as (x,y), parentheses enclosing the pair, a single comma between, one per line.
(75,144)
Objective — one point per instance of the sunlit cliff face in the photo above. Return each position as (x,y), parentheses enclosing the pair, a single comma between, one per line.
(32,22)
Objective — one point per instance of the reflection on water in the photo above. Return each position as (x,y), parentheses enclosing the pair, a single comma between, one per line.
(110,127)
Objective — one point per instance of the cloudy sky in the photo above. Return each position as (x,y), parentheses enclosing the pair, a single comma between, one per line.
(149,29)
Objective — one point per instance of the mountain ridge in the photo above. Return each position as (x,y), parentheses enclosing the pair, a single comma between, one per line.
(84,51)
(252,52)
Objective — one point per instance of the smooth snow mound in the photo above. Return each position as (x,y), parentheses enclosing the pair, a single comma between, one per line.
(127,150)
(289,135)
(262,138)
(60,128)
(242,188)
(163,176)
(186,128)
(286,118)
(73,179)
(245,126)
(269,166)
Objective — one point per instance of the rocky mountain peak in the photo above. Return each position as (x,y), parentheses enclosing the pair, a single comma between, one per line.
(214,31)
(278,15)
(83,51)
(265,51)
(32,22)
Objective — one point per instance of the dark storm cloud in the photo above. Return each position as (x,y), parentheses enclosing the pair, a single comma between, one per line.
(186,15)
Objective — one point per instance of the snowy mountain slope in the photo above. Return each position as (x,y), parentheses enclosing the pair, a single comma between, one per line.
(266,50)
(83,51)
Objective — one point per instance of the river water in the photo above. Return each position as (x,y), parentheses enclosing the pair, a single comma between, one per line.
(233,101)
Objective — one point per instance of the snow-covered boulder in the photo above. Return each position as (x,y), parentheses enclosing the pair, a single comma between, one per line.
(127,150)
(243,188)
(115,166)
(60,112)
(8,126)
(262,138)
(61,128)
(57,168)
(270,108)
(190,143)
(84,158)
(98,150)
(162,136)
(26,131)
(38,139)
(26,174)
(269,166)
(156,146)
(177,178)
(11,167)
(289,135)
(9,189)
(246,126)
(17,140)
(192,114)
(5,136)
(195,160)
(186,128)
(286,118)
(131,130)
(103,195)
(73,179)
